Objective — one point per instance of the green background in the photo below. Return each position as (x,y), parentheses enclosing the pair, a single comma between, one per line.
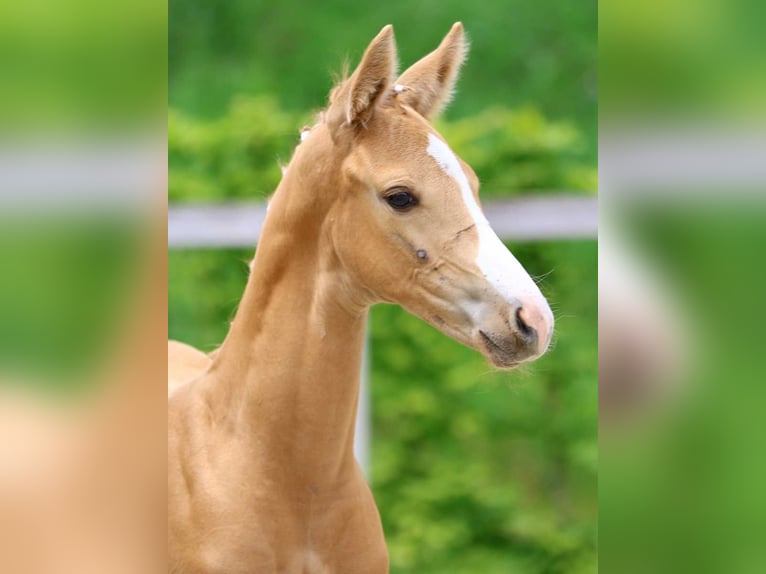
(473,470)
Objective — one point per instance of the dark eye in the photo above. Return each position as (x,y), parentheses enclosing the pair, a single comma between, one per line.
(401,199)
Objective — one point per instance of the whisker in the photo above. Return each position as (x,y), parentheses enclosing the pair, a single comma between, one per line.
(540,278)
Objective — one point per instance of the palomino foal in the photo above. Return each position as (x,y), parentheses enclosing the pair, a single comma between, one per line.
(374,206)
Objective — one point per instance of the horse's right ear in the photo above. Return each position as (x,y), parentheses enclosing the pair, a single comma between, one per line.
(353,101)
(427,86)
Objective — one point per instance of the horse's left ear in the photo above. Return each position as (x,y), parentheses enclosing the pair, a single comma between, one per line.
(354,101)
(427,86)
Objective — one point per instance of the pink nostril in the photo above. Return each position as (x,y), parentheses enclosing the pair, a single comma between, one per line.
(522,324)
(533,323)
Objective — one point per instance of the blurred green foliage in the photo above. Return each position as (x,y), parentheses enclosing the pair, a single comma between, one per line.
(682,59)
(681,477)
(237,155)
(521,150)
(473,470)
(234,156)
(483,471)
(65,285)
(521,52)
(82,65)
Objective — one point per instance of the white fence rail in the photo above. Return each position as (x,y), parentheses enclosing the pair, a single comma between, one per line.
(527,218)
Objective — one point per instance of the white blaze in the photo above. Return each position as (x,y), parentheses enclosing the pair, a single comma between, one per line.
(495,261)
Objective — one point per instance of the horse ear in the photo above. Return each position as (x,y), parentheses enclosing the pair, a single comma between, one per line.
(427,86)
(354,101)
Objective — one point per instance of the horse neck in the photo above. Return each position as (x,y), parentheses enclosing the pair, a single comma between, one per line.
(288,373)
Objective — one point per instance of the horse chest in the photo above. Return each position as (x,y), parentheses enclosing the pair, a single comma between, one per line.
(231,554)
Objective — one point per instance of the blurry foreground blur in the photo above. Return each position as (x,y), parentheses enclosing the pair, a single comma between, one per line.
(681,286)
(473,470)
(82,287)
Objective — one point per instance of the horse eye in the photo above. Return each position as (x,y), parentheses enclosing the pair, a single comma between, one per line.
(401,199)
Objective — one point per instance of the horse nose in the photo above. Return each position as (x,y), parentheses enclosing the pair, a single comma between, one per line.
(533,325)
(527,332)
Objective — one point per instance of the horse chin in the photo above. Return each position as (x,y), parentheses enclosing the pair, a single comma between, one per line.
(500,356)
(503,363)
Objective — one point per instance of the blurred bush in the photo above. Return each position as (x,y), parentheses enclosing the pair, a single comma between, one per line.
(482,471)
(473,470)
(520,149)
(234,157)
(520,52)
(237,156)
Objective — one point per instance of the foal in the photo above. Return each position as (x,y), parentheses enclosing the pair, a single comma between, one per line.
(374,206)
